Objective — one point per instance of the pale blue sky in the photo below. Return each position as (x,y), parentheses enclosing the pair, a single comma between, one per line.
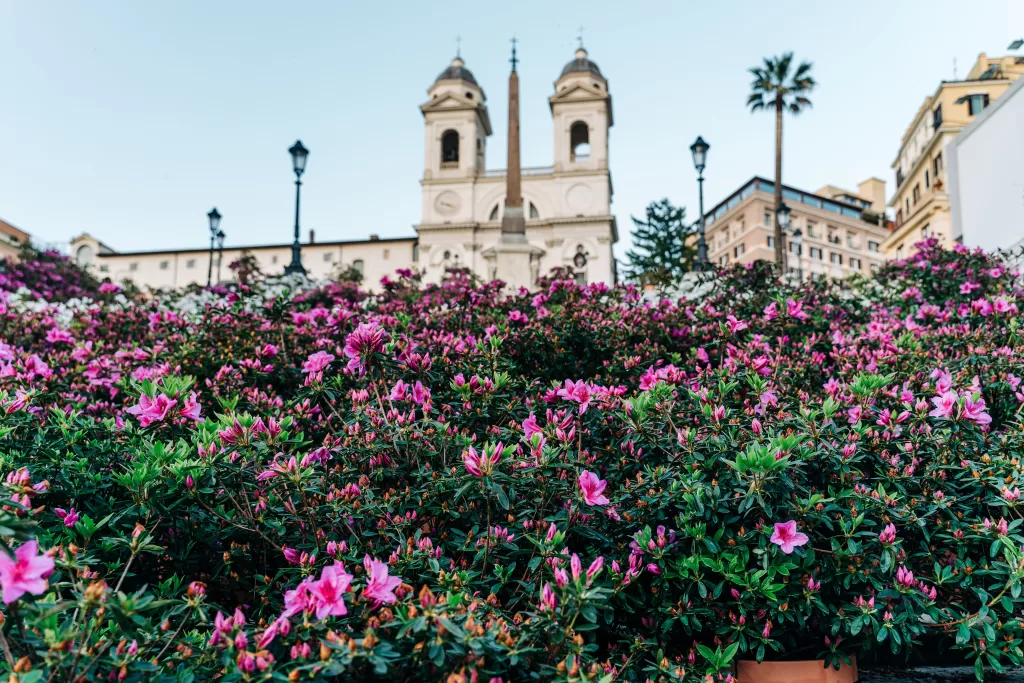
(129,120)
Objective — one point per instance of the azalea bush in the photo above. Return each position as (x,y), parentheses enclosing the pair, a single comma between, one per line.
(286,481)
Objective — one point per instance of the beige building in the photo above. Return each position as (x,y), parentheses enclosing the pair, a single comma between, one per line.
(12,239)
(922,201)
(173,268)
(566,206)
(843,231)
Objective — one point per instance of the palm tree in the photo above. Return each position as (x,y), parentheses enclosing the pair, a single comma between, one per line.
(774,87)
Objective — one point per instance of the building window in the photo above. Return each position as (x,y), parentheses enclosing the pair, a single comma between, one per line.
(849,241)
(872,245)
(738,250)
(723,259)
(450,149)
(938,164)
(837,258)
(771,241)
(917,193)
(937,117)
(415,252)
(328,257)
(387,254)
(164,265)
(899,252)
(976,104)
(927,179)
(899,177)
(908,206)
(191,263)
(534,213)
(133,267)
(104,268)
(579,142)
(816,253)
(358,266)
(273,259)
(874,267)
(84,255)
(768,218)
(899,218)
(855,263)
(812,229)
(833,238)
(494,214)
(581,278)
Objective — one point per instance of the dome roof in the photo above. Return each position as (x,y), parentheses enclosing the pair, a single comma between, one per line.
(457,72)
(581,65)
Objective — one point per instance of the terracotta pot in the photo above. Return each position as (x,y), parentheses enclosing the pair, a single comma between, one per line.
(806,671)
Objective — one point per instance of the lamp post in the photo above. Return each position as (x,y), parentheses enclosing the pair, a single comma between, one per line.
(220,252)
(782,216)
(798,241)
(699,149)
(299,155)
(214,217)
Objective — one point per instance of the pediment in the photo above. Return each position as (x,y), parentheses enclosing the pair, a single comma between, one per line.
(578,92)
(449,101)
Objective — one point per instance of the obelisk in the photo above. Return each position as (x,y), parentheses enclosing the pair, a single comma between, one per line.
(514,260)
(513,221)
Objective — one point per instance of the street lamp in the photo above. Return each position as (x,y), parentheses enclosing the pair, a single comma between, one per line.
(699,149)
(299,155)
(214,217)
(220,252)
(1016,45)
(782,216)
(798,241)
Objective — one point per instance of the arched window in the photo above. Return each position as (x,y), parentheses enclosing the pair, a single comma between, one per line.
(494,214)
(450,149)
(579,142)
(84,255)
(534,213)
(358,266)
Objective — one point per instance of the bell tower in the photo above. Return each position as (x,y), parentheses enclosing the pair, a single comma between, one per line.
(457,125)
(582,111)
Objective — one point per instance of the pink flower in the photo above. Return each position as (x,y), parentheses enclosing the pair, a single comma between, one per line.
(380,586)
(328,593)
(735,325)
(25,573)
(70,517)
(548,601)
(975,411)
(316,362)
(904,577)
(190,409)
(367,339)
(530,426)
(787,537)
(593,488)
(796,309)
(888,535)
(944,404)
(576,391)
(479,464)
(150,410)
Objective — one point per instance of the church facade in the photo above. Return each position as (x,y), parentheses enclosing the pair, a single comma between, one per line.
(514,224)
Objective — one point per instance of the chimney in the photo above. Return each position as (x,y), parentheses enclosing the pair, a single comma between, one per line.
(374,238)
(312,237)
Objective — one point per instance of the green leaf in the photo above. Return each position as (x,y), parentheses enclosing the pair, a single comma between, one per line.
(963,634)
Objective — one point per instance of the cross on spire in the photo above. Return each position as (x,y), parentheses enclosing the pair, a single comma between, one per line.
(579,37)
(514,60)
(458,46)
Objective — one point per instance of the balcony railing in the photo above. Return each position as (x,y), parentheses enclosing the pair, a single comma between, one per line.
(529,170)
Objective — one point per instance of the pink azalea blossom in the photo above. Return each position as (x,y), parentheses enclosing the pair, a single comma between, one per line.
(316,362)
(975,411)
(593,488)
(328,593)
(380,586)
(576,391)
(367,339)
(150,410)
(26,572)
(787,537)
(888,535)
(944,404)
(530,426)
(190,409)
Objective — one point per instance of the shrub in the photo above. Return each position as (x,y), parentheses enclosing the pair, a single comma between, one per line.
(577,484)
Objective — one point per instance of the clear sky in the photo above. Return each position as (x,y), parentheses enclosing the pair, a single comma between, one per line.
(130,120)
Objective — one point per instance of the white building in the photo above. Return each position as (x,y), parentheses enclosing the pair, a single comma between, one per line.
(566,206)
(986,175)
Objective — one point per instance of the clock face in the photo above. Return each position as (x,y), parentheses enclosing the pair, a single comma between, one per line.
(447,203)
